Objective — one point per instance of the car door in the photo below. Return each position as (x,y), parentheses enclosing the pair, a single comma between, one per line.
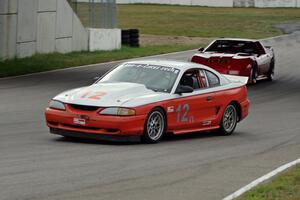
(193,111)
(262,59)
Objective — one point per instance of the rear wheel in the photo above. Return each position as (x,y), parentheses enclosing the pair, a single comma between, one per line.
(155,126)
(253,75)
(229,120)
(271,72)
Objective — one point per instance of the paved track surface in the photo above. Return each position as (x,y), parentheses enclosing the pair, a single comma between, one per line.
(37,165)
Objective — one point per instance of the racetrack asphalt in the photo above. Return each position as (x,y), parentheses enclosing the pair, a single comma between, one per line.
(37,165)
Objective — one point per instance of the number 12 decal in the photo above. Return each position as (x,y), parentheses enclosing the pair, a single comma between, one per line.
(185,109)
(95,95)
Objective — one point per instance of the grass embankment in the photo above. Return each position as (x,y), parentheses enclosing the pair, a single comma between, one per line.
(204,21)
(284,187)
(45,62)
(164,20)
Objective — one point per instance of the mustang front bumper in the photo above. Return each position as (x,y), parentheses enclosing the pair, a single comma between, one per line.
(92,125)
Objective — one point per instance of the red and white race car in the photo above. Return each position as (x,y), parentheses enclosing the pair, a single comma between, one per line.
(146,99)
(242,57)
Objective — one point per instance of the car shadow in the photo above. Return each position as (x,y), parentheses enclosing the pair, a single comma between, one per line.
(169,137)
(191,136)
(94,141)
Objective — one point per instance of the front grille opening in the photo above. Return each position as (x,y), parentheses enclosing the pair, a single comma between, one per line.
(53,123)
(82,127)
(112,130)
(90,128)
(83,107)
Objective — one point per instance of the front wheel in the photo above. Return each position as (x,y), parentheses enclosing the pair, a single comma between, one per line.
(229,120)
(155,126)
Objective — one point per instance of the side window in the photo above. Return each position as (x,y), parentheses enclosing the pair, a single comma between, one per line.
(190,79)
(213,80)
(260,49)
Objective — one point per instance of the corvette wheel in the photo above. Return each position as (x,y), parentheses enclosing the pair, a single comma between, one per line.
(271,72)
(229,120)
(155,126)
(253,76)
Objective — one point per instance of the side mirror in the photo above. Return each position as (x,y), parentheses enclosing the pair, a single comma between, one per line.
(201,49)
(184,89)
(95,79)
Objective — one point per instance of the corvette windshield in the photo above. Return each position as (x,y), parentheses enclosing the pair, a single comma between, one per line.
(154,77)
(232,47)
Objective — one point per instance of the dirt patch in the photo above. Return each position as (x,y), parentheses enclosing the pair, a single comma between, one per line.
(146,40)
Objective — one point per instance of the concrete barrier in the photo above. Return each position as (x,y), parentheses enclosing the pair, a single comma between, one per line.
(39,26)
(104,39)
(275,3)
(8,36)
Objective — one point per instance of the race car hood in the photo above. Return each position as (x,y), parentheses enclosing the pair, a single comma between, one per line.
(111,95)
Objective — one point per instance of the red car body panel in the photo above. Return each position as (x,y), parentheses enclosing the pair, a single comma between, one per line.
(226,65)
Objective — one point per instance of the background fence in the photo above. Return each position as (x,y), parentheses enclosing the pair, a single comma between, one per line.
(96,13)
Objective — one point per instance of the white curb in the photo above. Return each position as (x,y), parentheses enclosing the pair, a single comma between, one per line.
(261,179)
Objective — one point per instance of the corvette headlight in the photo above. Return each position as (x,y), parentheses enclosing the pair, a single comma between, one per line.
(54,104)
(117,111)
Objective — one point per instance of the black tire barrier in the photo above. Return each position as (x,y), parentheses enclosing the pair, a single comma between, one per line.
(126,42)
(135,45)
(130,37)
(134,31)
(125,32)
(134,35)
(134,40)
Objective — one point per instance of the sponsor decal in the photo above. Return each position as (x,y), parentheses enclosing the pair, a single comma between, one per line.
(170,109)
(79,121)
(155,67)
(206,123)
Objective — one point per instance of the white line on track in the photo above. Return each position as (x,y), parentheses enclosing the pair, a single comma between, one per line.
(261,180)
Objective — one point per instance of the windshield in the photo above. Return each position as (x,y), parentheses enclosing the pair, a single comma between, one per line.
(232,47)
(154,77)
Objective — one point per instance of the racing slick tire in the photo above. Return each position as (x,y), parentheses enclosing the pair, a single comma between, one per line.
(270,75)
(253,74)
(155,126)
(229,120)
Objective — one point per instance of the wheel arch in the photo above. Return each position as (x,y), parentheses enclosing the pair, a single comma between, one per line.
(165,113)
(238,107)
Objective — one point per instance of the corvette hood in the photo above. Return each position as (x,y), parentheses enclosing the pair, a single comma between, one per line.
(220,55)
(110,94)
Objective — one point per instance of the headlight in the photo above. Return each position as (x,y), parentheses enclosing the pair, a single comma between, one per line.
(117,111)
(57,105)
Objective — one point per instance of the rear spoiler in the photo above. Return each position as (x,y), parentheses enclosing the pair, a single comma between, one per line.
(240,79)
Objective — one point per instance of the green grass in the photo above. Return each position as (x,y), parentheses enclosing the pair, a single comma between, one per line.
(284,187)
(45,62)
(204,21)
(198,21)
